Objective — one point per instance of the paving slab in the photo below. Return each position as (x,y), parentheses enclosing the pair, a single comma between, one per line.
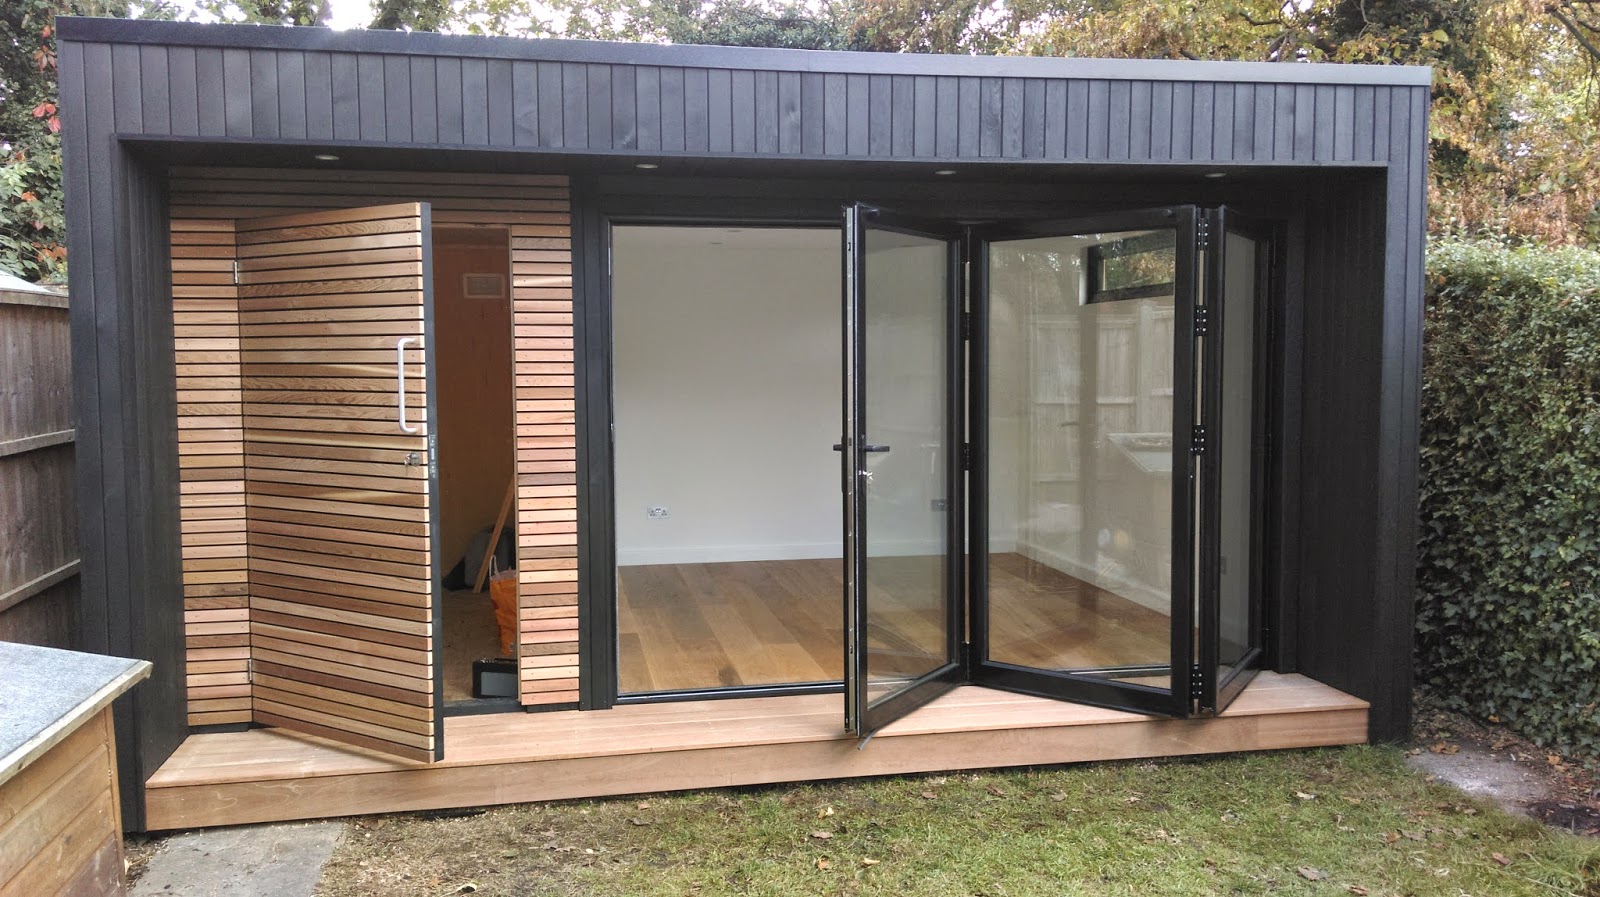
(283,860)
(1484,773)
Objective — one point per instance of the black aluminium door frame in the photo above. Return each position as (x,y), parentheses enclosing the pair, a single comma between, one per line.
(1216,689)
(595,212)
(1102,692)
(593,221)
(863,717)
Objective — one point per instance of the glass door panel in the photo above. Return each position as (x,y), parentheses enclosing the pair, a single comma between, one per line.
(1239,267)
(1084,588)
(901,462)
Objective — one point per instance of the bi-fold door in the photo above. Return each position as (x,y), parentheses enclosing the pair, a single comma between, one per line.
(341,482)
(1079,518)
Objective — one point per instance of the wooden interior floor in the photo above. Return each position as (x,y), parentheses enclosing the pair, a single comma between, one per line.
(260,775)
(470,633)
(694,626)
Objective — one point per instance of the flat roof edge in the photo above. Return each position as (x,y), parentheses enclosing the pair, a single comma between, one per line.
(314,39)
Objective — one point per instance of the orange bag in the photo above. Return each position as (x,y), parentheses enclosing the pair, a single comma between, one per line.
(503,592)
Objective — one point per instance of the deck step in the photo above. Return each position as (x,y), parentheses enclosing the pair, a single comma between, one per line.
(265,775)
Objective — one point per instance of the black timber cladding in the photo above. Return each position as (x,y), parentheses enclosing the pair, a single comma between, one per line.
(174,80)
(134,91)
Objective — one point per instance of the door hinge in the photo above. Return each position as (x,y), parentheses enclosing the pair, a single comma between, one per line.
(1202,320)
(1197,440)
(1197,683)
(235,272)
(966,456)
(249,669)
(1202,234)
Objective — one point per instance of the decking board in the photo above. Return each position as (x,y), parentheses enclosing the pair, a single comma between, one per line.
(270,775)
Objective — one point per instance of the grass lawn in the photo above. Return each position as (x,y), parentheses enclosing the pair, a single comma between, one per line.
(1342,821)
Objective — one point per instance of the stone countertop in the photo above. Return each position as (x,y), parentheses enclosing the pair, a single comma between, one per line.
(47,693)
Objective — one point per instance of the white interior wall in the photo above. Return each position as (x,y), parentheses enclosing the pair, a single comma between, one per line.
(726,382)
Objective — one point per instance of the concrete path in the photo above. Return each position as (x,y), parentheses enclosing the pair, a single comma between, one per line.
(282,860)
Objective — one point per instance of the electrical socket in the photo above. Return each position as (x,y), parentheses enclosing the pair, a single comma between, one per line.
(656,513)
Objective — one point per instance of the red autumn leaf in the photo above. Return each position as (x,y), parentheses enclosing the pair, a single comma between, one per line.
(27,196)
(43,109)
(55,125)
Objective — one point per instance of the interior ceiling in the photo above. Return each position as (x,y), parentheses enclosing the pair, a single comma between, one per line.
(807,239)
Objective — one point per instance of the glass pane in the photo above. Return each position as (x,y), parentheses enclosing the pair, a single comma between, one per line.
(1080,454)
(1235,563)
(904,386)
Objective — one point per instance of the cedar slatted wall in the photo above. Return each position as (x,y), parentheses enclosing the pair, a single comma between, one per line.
(205,307)
(535,210)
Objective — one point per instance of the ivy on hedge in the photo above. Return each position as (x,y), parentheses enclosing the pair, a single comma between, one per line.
(1508,590)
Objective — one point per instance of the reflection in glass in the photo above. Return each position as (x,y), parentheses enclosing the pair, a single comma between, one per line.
(1080,453)
(904,390)
(1234,562)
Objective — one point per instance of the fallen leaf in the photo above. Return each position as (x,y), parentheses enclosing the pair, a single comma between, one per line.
(1441,747)
(1390,837)
(1502,743)
(1353,801)
(869,861)
(1501,858)
(1553,759)
(1414,836)
(823,864)
(824,812)
(822,836)
(1358,890)
(644,805)
(639,821)
(1304,796)
(1059,796)
(1311,874)
(997,791)
(929,795)
(1132,799)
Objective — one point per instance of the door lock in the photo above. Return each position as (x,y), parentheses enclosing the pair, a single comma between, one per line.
(413,459)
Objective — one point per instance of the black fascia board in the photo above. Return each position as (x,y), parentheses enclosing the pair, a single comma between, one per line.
(417,43)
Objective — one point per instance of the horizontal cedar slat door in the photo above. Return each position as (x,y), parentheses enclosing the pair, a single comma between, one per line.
(340,479)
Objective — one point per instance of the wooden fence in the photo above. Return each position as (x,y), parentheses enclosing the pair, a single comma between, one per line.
(39,541)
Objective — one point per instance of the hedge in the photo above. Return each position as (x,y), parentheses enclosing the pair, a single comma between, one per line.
(1508,590)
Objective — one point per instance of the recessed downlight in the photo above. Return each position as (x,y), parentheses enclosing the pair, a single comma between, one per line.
(1216,174)
(646,166)
(945,172)
(325,157)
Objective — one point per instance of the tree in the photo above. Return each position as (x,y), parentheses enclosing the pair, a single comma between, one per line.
(32,223)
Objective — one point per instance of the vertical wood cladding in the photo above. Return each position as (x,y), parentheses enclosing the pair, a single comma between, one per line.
(534,210)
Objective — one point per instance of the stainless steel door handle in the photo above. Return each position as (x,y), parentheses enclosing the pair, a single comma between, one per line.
(400,380)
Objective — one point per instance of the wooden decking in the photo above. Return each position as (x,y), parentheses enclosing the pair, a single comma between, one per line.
(268,774)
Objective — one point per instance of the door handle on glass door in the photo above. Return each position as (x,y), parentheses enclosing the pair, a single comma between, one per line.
(400,380)
(869,447)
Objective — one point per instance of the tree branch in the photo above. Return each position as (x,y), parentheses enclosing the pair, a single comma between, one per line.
(1577,32)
